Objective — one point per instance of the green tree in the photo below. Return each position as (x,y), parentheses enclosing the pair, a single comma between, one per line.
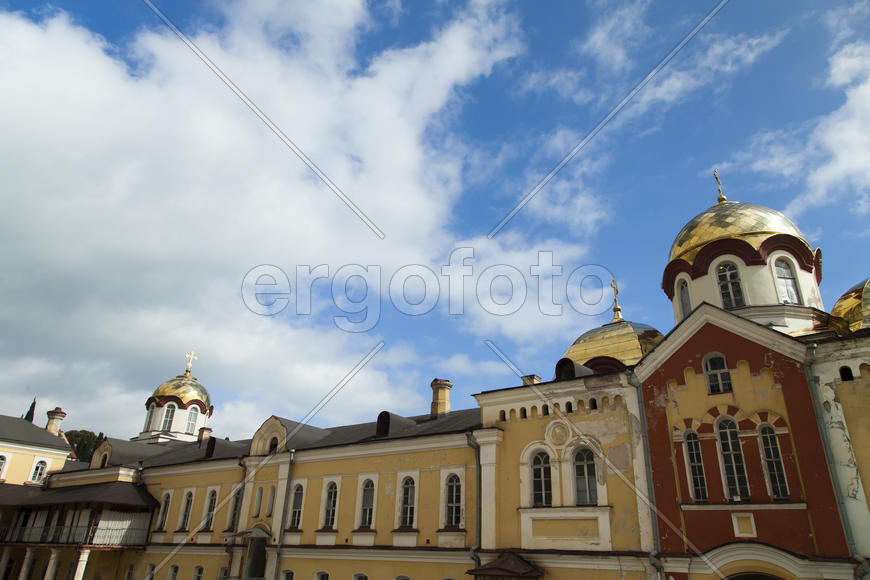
(84,443)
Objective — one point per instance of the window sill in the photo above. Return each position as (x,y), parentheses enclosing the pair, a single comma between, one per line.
(405,537)
(451,530)
(364,530)
(406,530)
(742,506)
(326,531)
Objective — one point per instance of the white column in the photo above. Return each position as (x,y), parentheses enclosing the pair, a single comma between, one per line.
(236,568)
(271,562)
(488,439)
(82,564)
(26,564)
(4,560)
(52,564)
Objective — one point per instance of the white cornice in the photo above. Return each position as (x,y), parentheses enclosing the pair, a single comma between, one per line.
(81,477)
(191,467)
(555,389)
(35,449)
(707,314)
(386,555)
(410,445)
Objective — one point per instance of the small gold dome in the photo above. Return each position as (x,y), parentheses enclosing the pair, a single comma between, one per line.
(730,219)
(622,340)
(185,387)
(854,306)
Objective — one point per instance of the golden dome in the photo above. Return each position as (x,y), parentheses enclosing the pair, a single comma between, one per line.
(622,340)
(730,219)
(185,387)
(854,306)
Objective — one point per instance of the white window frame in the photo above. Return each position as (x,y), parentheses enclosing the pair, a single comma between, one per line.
(361,479)
(767,479)
(689,478)
(293,484)
(192,413)
(714,271)
(772,260)
(182,525)
(258,502)
(231,504)
(149,418)
(336,479)
(270,502)
(217,490)
(678,287)
(400,477)
(198,572)
(158,527)
(721,458)
(446,472)
(4,468)
(556,476)
(36,460)
(712,355)
(166,408)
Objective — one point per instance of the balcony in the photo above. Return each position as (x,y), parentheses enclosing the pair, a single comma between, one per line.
(75,535)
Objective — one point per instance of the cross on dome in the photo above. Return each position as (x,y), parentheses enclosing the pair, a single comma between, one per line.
(190,358)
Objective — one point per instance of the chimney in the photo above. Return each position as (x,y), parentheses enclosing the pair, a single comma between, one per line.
(204,434)
(54,419)
(440,397)
(531,379)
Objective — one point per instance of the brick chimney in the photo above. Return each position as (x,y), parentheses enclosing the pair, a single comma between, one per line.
(440,397)
(54,418)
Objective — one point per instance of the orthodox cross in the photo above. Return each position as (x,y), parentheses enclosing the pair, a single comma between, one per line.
(617,311)
(721,197)
(190,358)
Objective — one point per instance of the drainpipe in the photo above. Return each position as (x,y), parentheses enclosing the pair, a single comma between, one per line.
(284,512)
(650,490)
(472,442)
(863,568)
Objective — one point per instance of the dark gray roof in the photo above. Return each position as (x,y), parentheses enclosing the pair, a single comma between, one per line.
(13,495)
(72,465)
(117,493)
(208,450)
(399,428)
(130,453)
(21,431)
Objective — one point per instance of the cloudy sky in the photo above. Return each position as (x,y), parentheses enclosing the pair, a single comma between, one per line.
(141,185)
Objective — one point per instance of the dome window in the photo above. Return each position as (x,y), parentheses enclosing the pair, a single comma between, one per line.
(149,417)
(168,414)
(273,445)
(718,375)
(685,300)
(192,415)
(729,286)
(786,283)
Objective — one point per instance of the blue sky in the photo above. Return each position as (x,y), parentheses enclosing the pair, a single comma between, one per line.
(138,190)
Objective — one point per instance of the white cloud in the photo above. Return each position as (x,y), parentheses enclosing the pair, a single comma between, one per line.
(616,35)
(136,195)
(842,22)
(567,84)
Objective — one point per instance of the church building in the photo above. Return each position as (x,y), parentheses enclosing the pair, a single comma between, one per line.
(734,446)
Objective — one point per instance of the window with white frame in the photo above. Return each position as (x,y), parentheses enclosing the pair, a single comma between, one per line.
(258,502)
(408,492)
(696,466)
(164,511)
(192,416)
(717,374)
(273,446)
(786,282)
(360,577)
(185,511)
(2,465)
(198,573)
(287,575)
(729,286)
(173,573)
(329,505)
(234,512)
(736,485)
(38,471)
(584,476)
(168,414)
(542,486)
(209,510)
(367,505)
(296,508)
(149,417)
(453,517)
(685,299)
(149,570)
(323,576)
(773,463)
(270,503)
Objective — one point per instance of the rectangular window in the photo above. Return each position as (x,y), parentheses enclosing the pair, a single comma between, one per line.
(732,459)
(696,467)
(454,501)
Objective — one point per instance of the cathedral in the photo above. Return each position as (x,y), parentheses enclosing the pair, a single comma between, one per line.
(729,447)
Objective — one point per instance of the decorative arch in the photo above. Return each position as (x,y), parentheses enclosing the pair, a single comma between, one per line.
(163,401)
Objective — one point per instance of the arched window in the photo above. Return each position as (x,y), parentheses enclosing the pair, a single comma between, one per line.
(685,300)
(545,410)
(593,405)
(192,416)
(773,463)
(258,502)
(173,573)
(149,570)
(185,513)
(329,508)
(729,286)
(104,460)
(2,465)
(237,507)
(454,502)
(288,575)
(270,503)
(407,516)
(360,577)
(209,511)
(736,485)
(38,471)
(846,374)
(164,511)
(542,490)
(149,417)
(198,573)
(523,413)
(584,477)
(569,407)
(168,414)
(718,375)
(323,576)
(696,466)
(786,283)
(273,445)
(296,509)
(502,416)
(368,504)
